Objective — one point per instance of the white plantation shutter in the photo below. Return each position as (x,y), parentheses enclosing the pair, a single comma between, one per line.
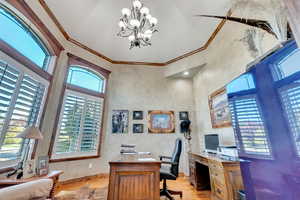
(80,124)
(290,96)
(21,98)
(91,125)
(249,125)
(69,131)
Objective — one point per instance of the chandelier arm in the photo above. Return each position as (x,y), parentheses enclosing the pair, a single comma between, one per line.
(125,34)
(147,43)
(128,26)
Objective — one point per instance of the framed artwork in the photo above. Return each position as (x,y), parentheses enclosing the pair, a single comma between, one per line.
(137,115)
(161,122)
(29,169)
(138,128)
(219,109)
(184,115)
(120,121)
(42,165)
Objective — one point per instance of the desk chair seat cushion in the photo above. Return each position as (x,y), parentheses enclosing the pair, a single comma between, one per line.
(165,173)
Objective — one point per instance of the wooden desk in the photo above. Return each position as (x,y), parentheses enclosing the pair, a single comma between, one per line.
(54,175)
(133,177)
(223,177)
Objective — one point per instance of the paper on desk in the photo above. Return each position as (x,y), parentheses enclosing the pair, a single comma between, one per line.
(146,159)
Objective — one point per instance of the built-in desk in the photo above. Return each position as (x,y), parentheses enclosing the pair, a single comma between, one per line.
(223,177)
(134,177)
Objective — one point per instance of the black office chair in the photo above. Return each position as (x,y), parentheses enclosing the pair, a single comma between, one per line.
(171,171)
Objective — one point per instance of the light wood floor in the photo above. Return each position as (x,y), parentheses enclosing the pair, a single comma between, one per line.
(189,193)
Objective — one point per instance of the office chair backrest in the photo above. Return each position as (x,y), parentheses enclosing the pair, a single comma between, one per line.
(176,157)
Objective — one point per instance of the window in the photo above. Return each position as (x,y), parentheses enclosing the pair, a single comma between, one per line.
(22,88)
(86,79)
(286,74)
(288,66)
(21,97)
(18,35)
(79,129)
(244,82)
(290,96)
(247,120)
(249,125)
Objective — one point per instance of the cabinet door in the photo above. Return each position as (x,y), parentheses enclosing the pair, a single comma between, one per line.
(138,184)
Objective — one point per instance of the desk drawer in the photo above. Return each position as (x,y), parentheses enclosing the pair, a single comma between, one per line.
(192,162)
(218,176)
(219,191)
(216,166)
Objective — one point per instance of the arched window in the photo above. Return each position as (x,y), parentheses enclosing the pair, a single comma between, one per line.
(22,88)
(85,78)
(19,36)
(80,121)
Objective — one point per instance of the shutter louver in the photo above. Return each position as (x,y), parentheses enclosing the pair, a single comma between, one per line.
(249,125)
(290,96)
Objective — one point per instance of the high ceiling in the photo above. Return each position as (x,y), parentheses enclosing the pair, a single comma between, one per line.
(94,23)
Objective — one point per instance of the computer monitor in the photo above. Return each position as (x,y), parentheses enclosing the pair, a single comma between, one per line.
(211,143)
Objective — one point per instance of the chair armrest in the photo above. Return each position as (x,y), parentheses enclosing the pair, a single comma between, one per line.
(165,157)
(168,162)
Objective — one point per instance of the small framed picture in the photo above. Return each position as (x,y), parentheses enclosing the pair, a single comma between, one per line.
(43,165)
(29,169)
(137,115)
(184,115)
(120,121)
(138,128)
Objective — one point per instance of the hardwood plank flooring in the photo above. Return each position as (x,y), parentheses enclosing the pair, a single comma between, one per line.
(182,183)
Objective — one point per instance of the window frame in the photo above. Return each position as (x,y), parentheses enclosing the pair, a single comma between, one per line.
(76,154)
(104,73)
(23,69)
(23,11)
(239,95)
(24,15)
(238,134)
(35,37)
(86,90)
(282,83)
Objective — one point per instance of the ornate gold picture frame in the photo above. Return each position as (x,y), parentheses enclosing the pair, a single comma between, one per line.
(161,121)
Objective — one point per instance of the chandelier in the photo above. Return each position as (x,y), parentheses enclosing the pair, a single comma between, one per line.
(137,25)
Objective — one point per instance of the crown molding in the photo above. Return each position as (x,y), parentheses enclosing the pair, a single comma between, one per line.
(92,51)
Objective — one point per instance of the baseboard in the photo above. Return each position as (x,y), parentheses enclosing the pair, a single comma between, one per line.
(86,178)
(181,174)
